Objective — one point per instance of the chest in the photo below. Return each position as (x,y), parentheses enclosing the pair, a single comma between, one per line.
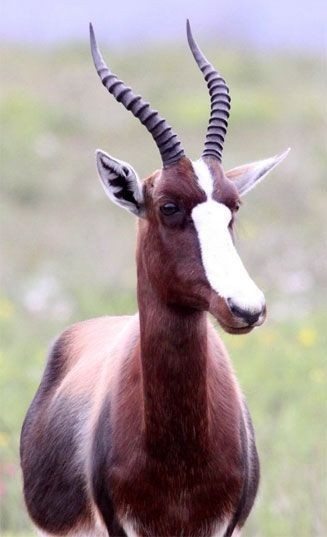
(176,499)
(213,530)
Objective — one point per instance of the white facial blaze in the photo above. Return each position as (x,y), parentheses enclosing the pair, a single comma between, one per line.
(222,264)
(204,177)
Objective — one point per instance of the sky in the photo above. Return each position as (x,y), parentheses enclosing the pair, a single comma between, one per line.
(264,24)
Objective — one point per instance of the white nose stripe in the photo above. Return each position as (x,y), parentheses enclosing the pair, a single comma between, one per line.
(222,264)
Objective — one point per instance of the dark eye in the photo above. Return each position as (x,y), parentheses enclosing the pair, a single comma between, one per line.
(169,208)
(237,206)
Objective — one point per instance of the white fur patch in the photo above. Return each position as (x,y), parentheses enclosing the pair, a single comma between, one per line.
(220,529)
(204,176)
(79,533)
(128,528)
(223,267)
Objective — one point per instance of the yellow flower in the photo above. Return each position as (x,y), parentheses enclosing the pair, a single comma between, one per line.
(4,439)
(7,308)
(307,337)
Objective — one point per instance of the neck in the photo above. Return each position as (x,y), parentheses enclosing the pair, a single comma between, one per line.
(174,368)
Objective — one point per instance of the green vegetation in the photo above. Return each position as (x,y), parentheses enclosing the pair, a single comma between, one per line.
(68,253)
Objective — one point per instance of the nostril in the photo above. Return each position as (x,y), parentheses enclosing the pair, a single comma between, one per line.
(236,310)
(233,308)
(248,316)
(252,318)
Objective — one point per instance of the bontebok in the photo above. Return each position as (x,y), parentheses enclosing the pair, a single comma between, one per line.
(139,427)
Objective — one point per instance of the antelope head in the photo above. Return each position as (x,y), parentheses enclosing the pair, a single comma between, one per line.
(187,209)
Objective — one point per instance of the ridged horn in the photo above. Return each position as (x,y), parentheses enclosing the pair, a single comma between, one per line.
(220,101)
(167,141)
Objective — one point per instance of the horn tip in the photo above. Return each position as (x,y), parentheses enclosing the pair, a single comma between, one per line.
(91,30)
(189,32)
(96,54)
(92,36)
(194,47)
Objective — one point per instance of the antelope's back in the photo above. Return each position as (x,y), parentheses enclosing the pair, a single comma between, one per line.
(56,440)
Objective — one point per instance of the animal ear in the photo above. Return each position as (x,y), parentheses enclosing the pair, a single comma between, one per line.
(121,183)
(249,175)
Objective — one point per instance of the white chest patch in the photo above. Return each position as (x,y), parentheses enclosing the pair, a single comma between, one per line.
(129,529)
(218,531)
(223,267)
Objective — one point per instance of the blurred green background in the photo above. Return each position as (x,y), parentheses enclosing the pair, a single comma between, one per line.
(68,254)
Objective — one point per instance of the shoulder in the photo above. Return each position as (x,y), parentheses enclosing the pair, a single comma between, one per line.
(79,340)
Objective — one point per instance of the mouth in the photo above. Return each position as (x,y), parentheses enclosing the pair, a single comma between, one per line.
(241,329)
(237,329)
(231,322)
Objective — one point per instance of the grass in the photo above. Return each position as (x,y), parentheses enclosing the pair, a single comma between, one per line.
(69,253)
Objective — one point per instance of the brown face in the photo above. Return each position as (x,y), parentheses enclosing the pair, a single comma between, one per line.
(186,244)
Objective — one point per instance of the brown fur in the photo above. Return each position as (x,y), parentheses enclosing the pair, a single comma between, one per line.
(141,418)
